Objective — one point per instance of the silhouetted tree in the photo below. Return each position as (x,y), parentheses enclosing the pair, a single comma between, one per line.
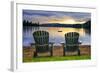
(27,23)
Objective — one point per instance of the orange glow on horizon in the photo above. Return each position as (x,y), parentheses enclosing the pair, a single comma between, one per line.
(66,21)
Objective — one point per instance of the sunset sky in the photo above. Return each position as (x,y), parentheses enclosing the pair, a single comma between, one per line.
(36,16)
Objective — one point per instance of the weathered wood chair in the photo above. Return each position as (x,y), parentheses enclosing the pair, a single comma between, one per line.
(71,43)
(42,43)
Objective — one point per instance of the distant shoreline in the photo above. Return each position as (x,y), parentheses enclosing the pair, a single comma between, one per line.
(86,25)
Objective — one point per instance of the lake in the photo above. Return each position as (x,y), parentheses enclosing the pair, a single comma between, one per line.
(56,34)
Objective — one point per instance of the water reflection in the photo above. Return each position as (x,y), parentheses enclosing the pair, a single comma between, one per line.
(55,36)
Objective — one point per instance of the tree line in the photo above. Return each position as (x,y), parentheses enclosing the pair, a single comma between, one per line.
(27,23)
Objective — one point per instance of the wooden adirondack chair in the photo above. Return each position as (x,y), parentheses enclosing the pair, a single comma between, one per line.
(71,43)
(42,43)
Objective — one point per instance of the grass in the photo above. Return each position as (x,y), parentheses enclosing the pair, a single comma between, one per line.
(62,58)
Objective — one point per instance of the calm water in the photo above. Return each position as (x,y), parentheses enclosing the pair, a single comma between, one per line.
(55,36)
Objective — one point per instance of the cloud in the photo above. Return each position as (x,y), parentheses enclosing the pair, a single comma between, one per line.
(54,16)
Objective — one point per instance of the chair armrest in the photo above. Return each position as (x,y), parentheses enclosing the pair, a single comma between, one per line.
(32,44)
(63,44)
(80,42)
(51,43)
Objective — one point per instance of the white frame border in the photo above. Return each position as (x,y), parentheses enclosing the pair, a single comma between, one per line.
(14,35)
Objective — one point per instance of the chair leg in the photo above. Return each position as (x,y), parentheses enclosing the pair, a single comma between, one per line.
(51,52)
(35,54)
(63,52)
(79,52)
